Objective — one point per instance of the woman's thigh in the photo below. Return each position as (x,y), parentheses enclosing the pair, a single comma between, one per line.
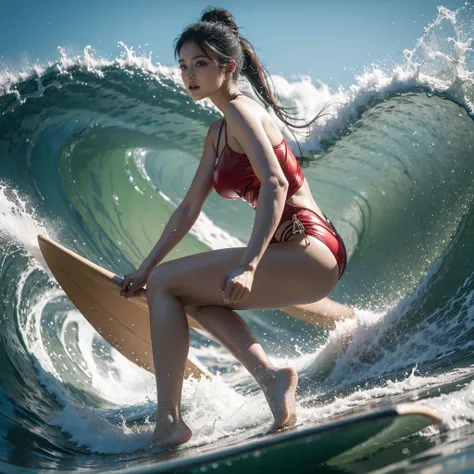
(289,273)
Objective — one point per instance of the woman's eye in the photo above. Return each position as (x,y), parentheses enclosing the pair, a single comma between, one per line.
(182,66)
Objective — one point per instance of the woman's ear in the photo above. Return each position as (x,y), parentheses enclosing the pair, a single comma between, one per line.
(230,68)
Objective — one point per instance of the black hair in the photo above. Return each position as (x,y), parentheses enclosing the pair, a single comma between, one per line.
(218,32)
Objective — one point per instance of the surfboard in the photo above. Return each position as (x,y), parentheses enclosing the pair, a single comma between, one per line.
(411,418)
(95,292)
(301,449)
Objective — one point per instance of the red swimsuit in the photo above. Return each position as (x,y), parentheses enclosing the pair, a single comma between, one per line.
(234,178)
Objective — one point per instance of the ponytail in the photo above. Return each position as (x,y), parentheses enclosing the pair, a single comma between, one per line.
(260,81)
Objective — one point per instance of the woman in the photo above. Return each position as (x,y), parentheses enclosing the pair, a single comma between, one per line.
(294,255)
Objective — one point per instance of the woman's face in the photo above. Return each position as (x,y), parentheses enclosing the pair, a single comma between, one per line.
(200,71)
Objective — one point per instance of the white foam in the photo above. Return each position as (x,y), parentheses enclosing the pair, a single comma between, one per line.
(456,408)
(19,222)
(409,385)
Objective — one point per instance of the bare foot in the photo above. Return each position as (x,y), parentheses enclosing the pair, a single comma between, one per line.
(280,391)
(169,434)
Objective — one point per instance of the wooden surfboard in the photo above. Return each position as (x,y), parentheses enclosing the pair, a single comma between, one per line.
(122,322)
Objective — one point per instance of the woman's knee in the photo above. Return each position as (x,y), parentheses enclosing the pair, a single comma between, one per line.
(157,282)
(164,281)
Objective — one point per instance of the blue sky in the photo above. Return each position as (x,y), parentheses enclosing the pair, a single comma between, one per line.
(329,40)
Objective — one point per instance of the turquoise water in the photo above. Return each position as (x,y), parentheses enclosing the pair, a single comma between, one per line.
(97,153)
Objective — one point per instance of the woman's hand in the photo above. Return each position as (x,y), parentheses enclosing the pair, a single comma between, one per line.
(132,283)
(237,284)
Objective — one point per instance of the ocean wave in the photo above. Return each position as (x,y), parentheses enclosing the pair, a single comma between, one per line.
(97,153)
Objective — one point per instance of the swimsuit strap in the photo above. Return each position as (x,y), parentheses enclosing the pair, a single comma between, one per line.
(219,138)
(225,132)
(232,98)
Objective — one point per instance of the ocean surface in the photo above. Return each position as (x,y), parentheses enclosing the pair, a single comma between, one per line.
(96,153)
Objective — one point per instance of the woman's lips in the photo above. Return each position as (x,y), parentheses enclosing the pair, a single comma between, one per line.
(193,88)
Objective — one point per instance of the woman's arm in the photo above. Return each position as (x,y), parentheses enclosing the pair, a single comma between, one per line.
(189,209)
(271,201)
(251,135)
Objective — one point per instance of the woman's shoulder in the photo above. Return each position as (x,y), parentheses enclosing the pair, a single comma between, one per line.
(251,117)
(244,108)
(216,125)
(245,113)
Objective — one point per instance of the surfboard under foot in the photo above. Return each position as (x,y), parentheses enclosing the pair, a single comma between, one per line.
(301,449)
